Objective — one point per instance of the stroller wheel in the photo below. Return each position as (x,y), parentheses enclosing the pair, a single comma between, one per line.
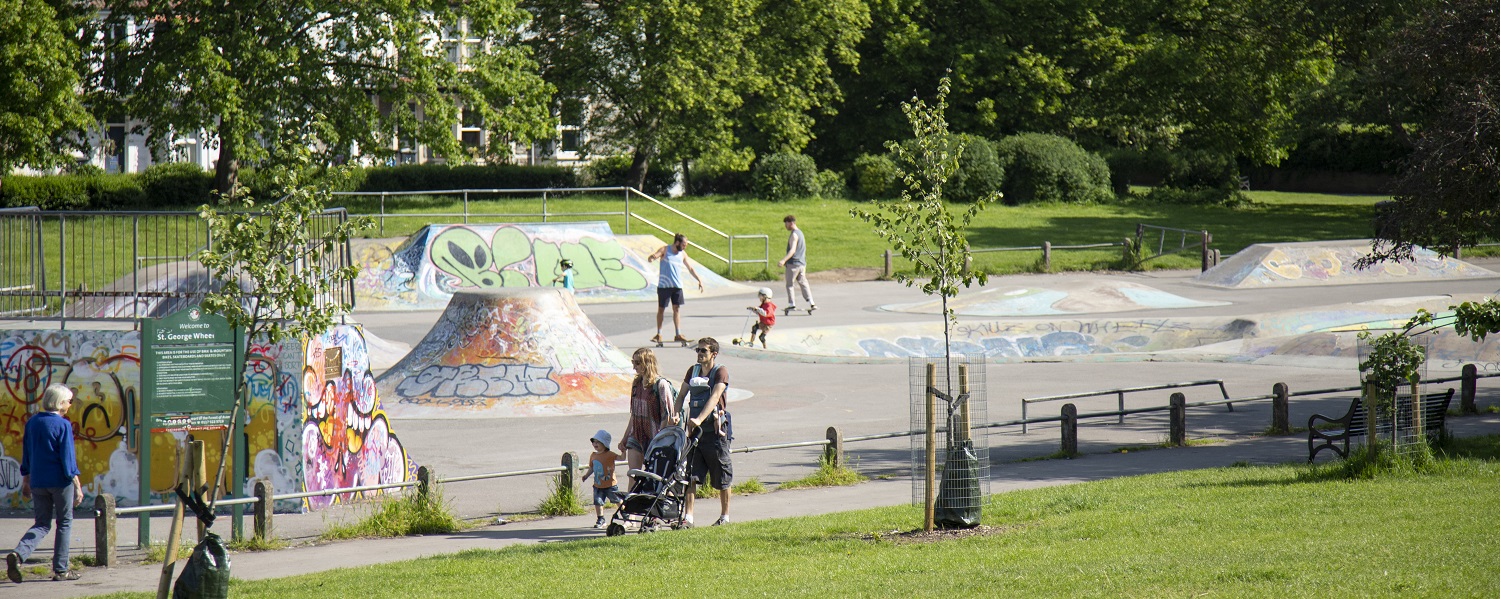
(615,529)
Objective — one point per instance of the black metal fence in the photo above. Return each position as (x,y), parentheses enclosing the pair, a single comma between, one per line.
(113,266)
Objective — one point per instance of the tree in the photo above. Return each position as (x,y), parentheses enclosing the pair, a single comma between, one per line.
(1445,194)
(678,79)
(1219,77)
(41,115)
(921,228)
(276,266)
(366,77)
(1394,360)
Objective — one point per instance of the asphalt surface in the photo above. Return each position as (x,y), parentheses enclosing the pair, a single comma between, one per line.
(797,401)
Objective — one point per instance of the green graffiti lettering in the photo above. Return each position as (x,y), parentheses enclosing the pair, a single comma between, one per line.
(606,259)
(511,247)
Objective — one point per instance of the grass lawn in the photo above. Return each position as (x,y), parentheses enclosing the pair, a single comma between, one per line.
(837,240)
(1265,531)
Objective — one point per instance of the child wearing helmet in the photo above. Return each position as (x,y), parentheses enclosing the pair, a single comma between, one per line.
(767,313)
(565,277)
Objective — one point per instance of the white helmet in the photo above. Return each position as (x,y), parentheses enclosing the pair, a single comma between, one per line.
(764,292)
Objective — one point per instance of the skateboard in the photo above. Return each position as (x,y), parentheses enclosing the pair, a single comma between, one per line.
(788,310)
(660,343)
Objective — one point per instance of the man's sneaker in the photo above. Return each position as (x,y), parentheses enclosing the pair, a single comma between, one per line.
(679,339)
(13,568)
(599,522)
(788,310)
(69,575)
(722,520)
(657,338)
(811,308)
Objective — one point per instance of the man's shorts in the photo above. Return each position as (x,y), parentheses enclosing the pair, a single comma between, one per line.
(610,495)
(712,457)
(666,294)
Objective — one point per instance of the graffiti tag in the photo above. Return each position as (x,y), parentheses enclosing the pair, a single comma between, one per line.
(471,380)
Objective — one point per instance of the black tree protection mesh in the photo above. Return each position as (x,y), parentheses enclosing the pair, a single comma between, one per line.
(961,468)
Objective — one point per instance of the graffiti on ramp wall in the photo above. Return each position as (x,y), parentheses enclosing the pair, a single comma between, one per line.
(103,370)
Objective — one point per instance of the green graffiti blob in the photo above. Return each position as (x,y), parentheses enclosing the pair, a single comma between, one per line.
(464,254)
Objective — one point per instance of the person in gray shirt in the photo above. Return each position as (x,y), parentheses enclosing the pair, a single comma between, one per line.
(795,266)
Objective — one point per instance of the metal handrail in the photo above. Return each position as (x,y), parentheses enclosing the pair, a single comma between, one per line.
(822,442)
(1120,394)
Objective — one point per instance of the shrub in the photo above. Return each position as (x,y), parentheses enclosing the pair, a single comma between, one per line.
(611,171)
(1049,168)
(980,172)
(783,176)
(72,192)
(829,184)
(713,179)
(177,184)
(876,177)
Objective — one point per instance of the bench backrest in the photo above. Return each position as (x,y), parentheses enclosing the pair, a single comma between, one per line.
(1435,407)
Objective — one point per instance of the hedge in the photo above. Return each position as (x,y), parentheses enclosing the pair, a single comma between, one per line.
(783,176)
(1049,168)
(980,172)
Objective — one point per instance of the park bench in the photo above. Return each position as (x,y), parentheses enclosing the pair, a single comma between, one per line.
(1353,424)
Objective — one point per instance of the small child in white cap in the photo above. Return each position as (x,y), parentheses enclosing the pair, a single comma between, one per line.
(602,468)
(767,316)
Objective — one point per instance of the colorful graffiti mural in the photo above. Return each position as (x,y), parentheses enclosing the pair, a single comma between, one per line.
(425,270)
(1327,331)
(103,369)
(1328,262)
(1057,299)
(514,352)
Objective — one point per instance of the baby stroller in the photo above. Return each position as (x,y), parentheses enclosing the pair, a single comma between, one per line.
(659,489)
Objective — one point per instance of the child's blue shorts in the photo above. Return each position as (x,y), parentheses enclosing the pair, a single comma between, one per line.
(609,495)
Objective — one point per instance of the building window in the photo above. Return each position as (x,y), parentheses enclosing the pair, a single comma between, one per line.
(572,140)
(114,149)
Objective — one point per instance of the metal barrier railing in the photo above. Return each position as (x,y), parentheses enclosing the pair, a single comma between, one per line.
(1120,395)
(547,215)
(833,443)
(115,265)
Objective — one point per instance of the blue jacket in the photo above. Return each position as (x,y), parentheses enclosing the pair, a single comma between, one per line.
(47,451)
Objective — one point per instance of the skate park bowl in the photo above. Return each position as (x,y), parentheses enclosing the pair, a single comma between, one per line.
(423,271)
(1329,263)
(1057,298)
(1324,336)
(509,352)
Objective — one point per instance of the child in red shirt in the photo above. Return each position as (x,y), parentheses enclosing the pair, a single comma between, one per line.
(767,313)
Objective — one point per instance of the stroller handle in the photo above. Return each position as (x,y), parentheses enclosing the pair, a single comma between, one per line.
(634,473)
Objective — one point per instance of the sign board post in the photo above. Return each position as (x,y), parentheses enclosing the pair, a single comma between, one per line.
(190,363)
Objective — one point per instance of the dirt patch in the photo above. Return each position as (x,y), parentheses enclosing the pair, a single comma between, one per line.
(937,535)
(845,275)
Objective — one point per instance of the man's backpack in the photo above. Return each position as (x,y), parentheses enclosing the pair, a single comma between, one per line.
(721,412)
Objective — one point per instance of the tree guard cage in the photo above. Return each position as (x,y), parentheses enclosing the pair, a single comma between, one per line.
(1395,416)
(961,458)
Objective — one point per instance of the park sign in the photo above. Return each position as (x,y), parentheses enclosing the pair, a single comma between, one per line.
(189,364)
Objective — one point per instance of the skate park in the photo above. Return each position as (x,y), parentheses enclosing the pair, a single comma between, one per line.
(787,395)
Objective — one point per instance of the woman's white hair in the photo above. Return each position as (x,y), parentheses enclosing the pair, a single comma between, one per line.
(55,395)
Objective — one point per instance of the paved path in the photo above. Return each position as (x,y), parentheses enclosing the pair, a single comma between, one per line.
(797,402)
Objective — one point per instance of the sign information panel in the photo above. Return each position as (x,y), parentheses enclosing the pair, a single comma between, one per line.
(189,363)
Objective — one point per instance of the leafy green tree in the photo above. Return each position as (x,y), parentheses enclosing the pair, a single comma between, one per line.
(920,225)
(1219,77)
(1394,359)
(671,80)
(357,77)
(277,266)
(1444,62)
(40,111)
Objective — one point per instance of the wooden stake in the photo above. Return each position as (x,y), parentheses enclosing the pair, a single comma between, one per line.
(169,561)
(929,492)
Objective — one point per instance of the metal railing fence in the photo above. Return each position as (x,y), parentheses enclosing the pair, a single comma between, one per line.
(388,200)
(834,442)
(114,265)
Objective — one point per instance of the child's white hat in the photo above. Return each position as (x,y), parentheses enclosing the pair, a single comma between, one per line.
(603,436)
(764,292)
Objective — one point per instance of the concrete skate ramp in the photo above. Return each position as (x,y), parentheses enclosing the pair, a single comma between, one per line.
(510,352)
(423,271)
(1293,335)
(1065,297)
(1329,263)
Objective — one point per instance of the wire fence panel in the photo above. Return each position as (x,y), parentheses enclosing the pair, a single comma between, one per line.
(961,468)
(115,265)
